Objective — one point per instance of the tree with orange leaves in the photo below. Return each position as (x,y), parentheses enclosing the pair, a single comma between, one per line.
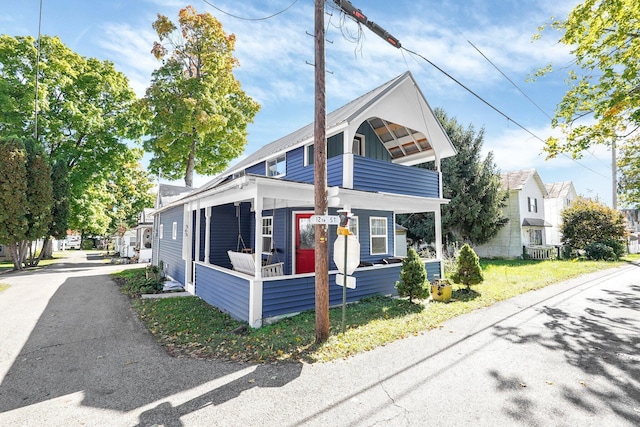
(198,112)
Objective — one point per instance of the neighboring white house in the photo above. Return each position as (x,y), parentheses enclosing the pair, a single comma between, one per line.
(525,231)
(144,235)
(559,196)
(633,226)
(125,245)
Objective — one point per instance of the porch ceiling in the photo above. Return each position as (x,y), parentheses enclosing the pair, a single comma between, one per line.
(401,142)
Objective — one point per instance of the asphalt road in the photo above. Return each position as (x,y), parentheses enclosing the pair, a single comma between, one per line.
(72,353)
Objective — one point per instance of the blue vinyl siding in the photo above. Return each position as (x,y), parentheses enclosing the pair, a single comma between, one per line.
(298,294)
(224,232)
(364,236)
(224,291)
(378,175)
(170,250)
(257,169)
(297,171)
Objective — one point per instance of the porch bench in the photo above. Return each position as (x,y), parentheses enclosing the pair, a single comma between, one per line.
(245,263)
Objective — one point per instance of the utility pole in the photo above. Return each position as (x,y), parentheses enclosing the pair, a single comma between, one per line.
(320,181)
(614,176)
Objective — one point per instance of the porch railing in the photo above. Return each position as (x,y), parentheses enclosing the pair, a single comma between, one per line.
(540,252)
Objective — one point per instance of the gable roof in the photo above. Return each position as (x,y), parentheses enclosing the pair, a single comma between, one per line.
(560,190)
(355,112)
(515,180)
(168,193)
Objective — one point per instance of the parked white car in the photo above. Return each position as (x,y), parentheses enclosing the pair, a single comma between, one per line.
(72,242)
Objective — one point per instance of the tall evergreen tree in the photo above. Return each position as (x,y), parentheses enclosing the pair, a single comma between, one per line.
(474,213)
(13,196)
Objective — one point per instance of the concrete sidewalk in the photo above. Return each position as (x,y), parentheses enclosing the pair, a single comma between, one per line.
(73,353)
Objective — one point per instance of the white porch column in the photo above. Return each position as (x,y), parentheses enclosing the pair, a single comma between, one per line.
(438,227)
(207,235)
(438,218)
(197,232)
(347,159)
(255,286)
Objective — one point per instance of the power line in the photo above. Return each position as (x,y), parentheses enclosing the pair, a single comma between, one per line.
(250,19)
(510,81)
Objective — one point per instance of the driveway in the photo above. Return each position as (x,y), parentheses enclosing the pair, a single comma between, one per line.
(73,353)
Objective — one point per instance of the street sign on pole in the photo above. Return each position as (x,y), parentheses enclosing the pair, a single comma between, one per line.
(351,281)
(325,219)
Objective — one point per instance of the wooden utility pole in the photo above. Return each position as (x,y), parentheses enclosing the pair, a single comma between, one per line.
(320,181)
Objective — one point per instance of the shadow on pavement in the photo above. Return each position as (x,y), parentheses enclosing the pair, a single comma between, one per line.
(601,344)
(88,340)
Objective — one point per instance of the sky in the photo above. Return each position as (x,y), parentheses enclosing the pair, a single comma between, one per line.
(476,41)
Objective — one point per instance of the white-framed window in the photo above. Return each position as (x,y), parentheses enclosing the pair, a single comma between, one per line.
(308,155)
(353,225)
(535,237)
(267,233)
(533,204)
(174,230)
(378,235)
(358,147)
(161,231)
(277,167)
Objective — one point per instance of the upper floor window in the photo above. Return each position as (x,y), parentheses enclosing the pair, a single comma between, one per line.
(277,167)
(174,231)
(378,235)
(161,230)
(533,204)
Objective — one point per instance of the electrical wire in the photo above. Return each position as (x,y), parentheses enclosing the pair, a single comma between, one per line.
(499,111)
(251,19)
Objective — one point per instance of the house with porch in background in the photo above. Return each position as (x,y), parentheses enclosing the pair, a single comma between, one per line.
(560,195)
(244,242)
(524,234)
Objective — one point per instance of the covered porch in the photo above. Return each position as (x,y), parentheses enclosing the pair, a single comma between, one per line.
(261,218)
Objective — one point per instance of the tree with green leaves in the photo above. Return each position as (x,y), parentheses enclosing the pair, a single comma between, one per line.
(467,269)
(413,277)
(85,113)
(113,198)
(198,113)
(629,168)
(39,199)
(588,221)
(602,103)
(474,213)
(25,196)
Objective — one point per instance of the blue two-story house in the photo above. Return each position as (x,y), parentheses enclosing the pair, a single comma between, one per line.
(244,242)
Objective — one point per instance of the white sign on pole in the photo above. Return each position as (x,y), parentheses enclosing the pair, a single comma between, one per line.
(325,219)
(351,281)
(353,253)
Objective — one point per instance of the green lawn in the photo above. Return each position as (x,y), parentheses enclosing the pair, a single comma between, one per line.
(8,265)
(189,326)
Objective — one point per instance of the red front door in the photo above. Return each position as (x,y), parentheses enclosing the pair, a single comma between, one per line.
(305,244)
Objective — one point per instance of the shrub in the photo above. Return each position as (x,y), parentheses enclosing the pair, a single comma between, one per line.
(600,251)
(134,283)
(467,270)
(619,248)
(86,245)
(413,277)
